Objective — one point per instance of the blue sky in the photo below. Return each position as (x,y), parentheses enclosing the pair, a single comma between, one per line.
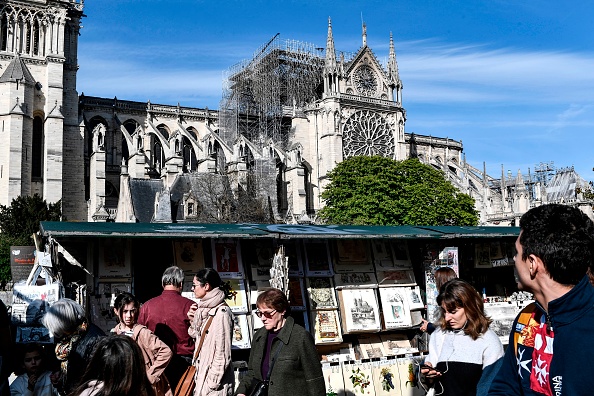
(513,80)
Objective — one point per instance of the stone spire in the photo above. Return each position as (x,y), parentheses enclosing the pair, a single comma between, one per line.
(364,35)
(330,51)
(392,64)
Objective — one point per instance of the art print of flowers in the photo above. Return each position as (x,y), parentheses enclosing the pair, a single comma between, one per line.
(360,379)
(387,376)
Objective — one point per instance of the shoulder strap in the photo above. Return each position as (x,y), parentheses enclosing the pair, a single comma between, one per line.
(523,320)
(204,332)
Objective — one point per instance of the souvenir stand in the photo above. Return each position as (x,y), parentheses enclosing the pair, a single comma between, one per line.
(362,291)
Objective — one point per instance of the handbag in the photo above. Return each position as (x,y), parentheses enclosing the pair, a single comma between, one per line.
(259,387)
(187,382)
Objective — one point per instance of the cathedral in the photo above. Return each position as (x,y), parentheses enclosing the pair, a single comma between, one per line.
(287,116)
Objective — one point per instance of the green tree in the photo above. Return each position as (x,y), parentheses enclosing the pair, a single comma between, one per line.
(380,191)
(19,221)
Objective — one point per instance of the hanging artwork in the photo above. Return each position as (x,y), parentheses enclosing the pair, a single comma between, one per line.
(321,293)
(241,335)
(395,307)
(189,255)
(352,256)
(359,310)
(238,302)
(482,255)
(355,279)
(409,378)
(259,255)
(333,379)
(382,254)
(386,380)
(401,256)
(293,253)
(399,277)
(326,327)
(296,294)
(114,258)
(414,298)
(226,258)
(317,257)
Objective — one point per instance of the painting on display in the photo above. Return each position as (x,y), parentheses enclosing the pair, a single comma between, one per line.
(398,277)
(401,256)
(395,307)
(358,379)
(333,379)
(355,279)
(352,256)
(114,258)
(241,334)
(317,258)
(414,298)
(293,252)
(321,293)
(237,303)
(386,380)
(382,254)
(296,294)
(326,327)
(189,255)
(359,310)
(260,259)
(226,258)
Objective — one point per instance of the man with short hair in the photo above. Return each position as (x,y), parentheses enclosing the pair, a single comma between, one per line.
(549,347)
(166,316)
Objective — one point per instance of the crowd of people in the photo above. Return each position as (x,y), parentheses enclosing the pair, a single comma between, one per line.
(153,344)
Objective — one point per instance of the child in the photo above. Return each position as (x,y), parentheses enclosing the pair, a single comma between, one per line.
(36,379)
(156,353)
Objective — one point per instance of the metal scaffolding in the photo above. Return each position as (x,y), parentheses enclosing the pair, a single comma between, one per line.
(261,94)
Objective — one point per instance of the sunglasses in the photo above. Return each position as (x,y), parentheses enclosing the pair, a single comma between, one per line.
(267,315)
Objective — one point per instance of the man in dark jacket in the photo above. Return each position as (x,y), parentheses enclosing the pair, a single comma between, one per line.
(166,316)
(555,250)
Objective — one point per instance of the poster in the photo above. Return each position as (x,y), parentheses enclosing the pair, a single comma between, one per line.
(226,258)
(355,279)
(189,255)
(359,310)
(317,258)
(326,327)
(114,260)
(321,293)
(382,254)
(401,256)
(241,334)
(352,256)
(260,255)
(237,303)
(22,259)
(396,307)
(401,277)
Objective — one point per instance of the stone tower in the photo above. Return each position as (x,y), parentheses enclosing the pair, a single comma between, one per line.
(41,146)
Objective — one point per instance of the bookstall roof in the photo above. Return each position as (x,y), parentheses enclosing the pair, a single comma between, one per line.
(283,231)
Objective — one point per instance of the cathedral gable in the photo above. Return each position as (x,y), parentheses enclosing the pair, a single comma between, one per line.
(366,76)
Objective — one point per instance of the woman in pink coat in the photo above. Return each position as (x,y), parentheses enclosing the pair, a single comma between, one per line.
(214,372)
(155,352)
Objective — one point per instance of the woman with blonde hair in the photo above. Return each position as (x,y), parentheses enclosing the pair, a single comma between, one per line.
(463,351)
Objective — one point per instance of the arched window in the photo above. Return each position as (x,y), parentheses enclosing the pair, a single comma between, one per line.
(4,33)
(190,161)
(37,148)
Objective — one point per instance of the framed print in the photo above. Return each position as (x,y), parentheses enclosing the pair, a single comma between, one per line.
(414,298)
(395,306)
(383,257)
(293,252)
(355,279)
(482,255)
(114,258)
(397,344)
(352,255)
(401,255)
(371,346)
(189,255)
(317,258)
(359,310)
(321,293)
(326,327)
(296,294)
(241,333)
(398,277)
(238,303)
(259,255)
(226,258)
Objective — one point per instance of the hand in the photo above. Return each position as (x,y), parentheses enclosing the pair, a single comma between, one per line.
(423,327)
(55,377)
(192,312)
(32,381)
(428,371)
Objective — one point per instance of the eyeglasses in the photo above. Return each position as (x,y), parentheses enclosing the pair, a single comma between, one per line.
(267,315)
(194,285)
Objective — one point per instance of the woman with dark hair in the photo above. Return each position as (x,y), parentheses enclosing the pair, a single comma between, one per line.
(442,276)
(155,352)
(463,350)
(283,353)
(116,369)
(75,339)
(214,372)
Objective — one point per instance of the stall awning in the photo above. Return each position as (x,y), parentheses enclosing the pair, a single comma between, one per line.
(282,231)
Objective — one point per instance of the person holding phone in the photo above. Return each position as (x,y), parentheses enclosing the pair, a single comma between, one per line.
(463,351)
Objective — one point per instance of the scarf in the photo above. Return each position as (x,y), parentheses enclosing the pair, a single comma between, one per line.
(65,345)
(212,299)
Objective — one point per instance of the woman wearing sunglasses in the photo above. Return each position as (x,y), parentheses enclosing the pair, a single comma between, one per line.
(214,372)
(282,351)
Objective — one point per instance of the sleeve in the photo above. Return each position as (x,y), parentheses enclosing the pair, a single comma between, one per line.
(160,352)
(222,353)
(192,331)
(143,315)
(19,387)
(312,368)
(493,350)
(506,381)
(246,381)
(434,349)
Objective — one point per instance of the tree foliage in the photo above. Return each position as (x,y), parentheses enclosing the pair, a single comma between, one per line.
(19,221)
(380,191)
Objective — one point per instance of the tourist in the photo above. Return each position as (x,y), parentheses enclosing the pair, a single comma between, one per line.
(156,354)
(285,348)
(442,276)
(33,377)
(166,316)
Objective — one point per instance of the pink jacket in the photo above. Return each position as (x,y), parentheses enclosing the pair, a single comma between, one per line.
(214,371)
(156,357)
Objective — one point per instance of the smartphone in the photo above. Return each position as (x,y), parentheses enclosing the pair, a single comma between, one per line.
(430,368)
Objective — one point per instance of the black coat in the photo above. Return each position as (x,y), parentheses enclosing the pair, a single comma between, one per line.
(297,368)
(79,358)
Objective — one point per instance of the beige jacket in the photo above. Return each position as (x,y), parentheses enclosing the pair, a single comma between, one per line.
(156,357)
(214,371)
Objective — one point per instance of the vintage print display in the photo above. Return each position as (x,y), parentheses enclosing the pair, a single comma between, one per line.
(293,253)
(352,255)
(355,279)
(326,327)
(241,334)
(259,254)
(114,260)
(358,379)
(449,257)
(482,255)
(396,277)
(226,258)
(386,380)
(383,257)
(408,374)
(189,255)
(401,256)
(503,315)
(397,344)
(371,346)
(317,258)
(359,310)
(238,303)
(396,307)
(321,293)
(296,294)
(333,379)
(414,298)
